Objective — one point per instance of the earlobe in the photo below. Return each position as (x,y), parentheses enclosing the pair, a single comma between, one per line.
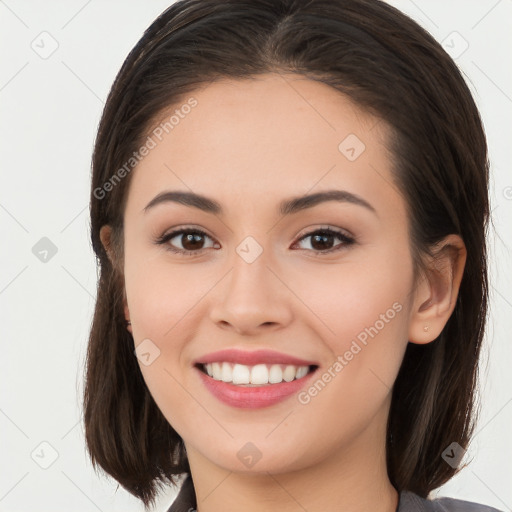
(436,293)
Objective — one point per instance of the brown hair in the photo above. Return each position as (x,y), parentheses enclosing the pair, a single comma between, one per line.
(392,68)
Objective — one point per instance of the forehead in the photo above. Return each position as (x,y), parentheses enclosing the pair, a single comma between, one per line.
(271,136)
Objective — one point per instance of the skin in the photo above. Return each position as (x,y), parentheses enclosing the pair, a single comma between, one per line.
(248,145)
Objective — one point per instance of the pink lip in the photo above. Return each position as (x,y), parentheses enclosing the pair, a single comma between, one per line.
(252,397)
(251,358)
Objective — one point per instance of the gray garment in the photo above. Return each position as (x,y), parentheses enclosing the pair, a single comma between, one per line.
(408,502)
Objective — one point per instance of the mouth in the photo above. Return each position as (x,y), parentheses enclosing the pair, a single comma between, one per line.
(254,375)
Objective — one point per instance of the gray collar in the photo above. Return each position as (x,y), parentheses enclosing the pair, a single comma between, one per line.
(407,502)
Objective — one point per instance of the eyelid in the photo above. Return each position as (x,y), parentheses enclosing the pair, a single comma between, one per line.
(325,227)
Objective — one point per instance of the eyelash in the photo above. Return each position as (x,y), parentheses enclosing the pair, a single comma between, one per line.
(347,241)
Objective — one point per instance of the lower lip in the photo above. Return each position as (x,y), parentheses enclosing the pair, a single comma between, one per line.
(254,397)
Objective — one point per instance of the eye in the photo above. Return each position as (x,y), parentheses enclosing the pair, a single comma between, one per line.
(322,239)
(191,241)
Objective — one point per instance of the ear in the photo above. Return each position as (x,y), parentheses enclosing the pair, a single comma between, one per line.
(436,293)
(106,240)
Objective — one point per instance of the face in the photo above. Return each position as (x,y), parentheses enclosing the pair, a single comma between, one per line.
(326,282)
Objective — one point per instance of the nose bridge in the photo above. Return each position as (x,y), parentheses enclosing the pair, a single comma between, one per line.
(252,296)
(251,281)
(250,273)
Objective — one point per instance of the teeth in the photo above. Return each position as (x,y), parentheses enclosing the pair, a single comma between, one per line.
(227,372)
(216,370)
(276,374)
(289,373)
(260,374)
(302,372)
(241,374)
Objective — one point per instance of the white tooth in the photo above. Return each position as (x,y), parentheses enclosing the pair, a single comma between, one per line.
(302,371)
(276,374)
(289,373)
(241,374)
(227,372)
(259,374)
(217,371)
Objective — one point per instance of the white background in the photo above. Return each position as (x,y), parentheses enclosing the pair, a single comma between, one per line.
(50,109)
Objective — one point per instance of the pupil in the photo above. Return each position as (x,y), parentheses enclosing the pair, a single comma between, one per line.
(319,237)
(192,239)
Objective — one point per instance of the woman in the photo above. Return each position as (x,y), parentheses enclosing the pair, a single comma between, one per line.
(289,204)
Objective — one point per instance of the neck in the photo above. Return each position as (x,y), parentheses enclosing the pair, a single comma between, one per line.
(352,478)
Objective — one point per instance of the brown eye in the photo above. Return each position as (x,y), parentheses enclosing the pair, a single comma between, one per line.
(191,241)
(322,240)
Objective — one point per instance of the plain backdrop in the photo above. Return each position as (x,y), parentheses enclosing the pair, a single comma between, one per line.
(58,61)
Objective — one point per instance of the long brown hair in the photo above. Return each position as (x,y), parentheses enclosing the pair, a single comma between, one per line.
(391,67)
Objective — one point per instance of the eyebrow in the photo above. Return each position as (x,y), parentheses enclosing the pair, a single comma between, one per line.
(286,207)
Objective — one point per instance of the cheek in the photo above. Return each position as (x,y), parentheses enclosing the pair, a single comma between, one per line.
(362,312)
(162,301)
(366,315)
(357,300)
(165,303)
(162,296)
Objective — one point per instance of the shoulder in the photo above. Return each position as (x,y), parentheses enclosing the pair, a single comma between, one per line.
(411,502)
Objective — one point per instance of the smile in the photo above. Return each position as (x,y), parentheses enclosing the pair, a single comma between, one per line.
(257,375)
(251,395)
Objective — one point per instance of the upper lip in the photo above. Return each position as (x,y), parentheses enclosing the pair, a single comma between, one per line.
(251,358)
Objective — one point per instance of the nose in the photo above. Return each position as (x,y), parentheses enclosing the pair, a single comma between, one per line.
(253,298)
